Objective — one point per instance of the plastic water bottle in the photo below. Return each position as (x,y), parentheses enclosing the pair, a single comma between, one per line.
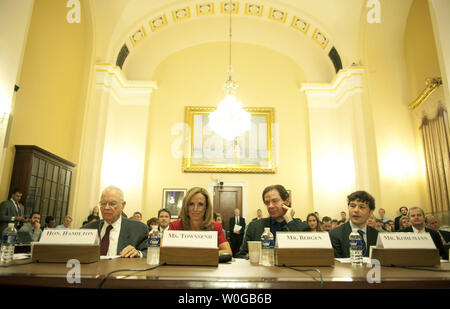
(267,248)
(9,237)
(153,244)
(356,256)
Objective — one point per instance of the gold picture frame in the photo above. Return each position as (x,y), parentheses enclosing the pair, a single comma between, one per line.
(252,152)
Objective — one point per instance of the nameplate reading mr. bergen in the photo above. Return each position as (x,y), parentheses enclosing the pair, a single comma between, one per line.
(303,240)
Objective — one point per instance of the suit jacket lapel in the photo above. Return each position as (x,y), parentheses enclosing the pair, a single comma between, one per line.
(123,236)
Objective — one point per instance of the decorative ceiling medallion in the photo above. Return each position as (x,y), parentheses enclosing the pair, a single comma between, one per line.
(138,36)
(225,7)
(205,9)
(277,15)
(253,9)
(320,39)
(300,24)
(158,22)
(181,14)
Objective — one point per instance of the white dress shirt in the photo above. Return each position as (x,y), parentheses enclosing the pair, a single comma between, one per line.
(113,236)
(364,229)
(417,231)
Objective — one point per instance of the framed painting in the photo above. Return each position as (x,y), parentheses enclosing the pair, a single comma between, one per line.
(252,152)
(173,201)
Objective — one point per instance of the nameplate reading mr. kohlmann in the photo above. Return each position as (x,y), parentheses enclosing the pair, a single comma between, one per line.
(294,240)
(405,241)
(190,239)
(69,237)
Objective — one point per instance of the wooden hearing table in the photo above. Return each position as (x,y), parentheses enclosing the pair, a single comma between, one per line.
(239,274)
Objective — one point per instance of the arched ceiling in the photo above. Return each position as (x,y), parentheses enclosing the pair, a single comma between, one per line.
(304,30)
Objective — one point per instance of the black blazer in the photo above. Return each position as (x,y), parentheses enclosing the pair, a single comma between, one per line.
(233,223)
(132,232)
(436,239)
(7,211)
(340,242)
(445,235)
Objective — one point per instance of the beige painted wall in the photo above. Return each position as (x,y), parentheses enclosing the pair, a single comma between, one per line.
(195,76)
(49,107)
(401,175)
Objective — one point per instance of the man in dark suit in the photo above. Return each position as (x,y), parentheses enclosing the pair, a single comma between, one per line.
(119,235)
(432,223)
(403,212)
(278,203)
(360,207)
(236,234)
(12,211)
(417,218)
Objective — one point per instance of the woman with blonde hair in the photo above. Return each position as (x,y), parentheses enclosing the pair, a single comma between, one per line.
(196,214)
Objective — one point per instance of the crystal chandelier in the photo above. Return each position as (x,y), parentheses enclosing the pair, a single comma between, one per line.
(229,120)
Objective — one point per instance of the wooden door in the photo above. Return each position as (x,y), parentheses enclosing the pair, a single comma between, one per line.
(226,199)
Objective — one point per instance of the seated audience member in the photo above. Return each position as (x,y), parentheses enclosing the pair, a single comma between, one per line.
(50,223)
(404,223)
(33,227)
(258,215)
(432,223)
(403,212)
(417,217)
(278,203)
(326,224)
(66,223)
(119,235)
(218,219)
(313,223)
(372,221)
(360,207)
(340,222)
(381,213)
(379,225)
(152,222)
(389,226)
(334,224)
(137,216)
(164,216)
(317,215)
(196,214)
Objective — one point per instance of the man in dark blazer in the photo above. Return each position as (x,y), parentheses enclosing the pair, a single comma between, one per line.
(278,203)
(432,223)
(119,235)
(360,207)
(403,212)
(417,218)
(12,211)
(237,236)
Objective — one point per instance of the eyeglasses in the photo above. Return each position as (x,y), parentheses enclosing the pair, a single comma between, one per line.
(112,204)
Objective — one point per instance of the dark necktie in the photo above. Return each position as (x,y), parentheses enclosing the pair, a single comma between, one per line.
(104,245)
(364,247)
(18,209)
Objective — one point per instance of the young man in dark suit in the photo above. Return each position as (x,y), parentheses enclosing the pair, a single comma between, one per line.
(236,236)
(417,218)
(360,207)
(12,211)
(119,235)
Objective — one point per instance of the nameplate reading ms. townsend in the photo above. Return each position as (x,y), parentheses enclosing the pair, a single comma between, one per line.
(294,240)
(69,237)
(190,239)
(405,241)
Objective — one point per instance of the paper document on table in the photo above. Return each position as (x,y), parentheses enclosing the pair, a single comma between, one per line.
(237,228)
(22,256)
(347,260)
(109,257)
